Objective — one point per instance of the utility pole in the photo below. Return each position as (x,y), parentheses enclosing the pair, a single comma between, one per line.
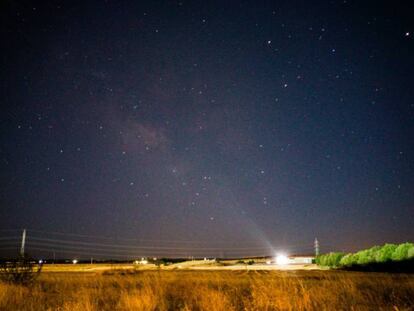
(23,243)
(316,245)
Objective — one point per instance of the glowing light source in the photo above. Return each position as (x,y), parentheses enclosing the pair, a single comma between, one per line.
(74,261)
(282,259)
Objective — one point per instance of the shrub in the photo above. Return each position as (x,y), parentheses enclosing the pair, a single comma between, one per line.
(20,271)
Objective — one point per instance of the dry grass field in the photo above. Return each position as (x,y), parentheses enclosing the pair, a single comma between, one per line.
(211,290)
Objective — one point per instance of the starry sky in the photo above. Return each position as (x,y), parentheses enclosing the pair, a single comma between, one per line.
(230,126)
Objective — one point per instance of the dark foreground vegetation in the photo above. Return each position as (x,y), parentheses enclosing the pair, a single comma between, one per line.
(211,290)
(386,258)
(22,270)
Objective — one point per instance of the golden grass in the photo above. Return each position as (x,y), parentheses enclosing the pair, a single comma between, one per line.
(212,290)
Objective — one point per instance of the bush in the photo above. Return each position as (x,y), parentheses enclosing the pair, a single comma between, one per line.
(20,271)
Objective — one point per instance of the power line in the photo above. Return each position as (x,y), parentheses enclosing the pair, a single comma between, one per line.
(148,240)
(100,248)
(109,255)
(55,246)
(72,242)
(9,238)
(125,239)
(130,255)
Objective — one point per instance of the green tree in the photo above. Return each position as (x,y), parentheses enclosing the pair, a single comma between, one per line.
(329,260)
(410,252)
(401,252)
(385,253)
(367,256)
(348,260)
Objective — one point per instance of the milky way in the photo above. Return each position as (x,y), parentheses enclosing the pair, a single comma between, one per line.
(224,125)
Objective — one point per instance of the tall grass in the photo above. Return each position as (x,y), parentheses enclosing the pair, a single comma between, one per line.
(212,290)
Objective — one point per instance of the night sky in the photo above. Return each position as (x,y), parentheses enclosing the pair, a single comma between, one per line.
(233,127)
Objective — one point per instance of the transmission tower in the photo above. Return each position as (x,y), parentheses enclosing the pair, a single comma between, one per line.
(316,245)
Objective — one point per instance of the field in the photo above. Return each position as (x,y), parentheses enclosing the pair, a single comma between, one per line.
(188,289)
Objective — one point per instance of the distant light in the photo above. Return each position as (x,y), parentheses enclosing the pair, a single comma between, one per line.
(268,262)
(282,259)
(74,261)
(40,261)
(407,34)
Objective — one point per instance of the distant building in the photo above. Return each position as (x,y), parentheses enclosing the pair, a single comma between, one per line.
(300,260)
(292,260)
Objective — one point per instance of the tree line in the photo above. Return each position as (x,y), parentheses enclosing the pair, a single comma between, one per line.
(374,255)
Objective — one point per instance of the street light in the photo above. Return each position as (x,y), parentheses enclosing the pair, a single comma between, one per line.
(282,259)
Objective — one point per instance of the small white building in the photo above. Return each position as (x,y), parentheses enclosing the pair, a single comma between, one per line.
(301,260)
(291,260)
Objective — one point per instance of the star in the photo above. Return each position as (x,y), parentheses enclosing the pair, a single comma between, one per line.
(228,122)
